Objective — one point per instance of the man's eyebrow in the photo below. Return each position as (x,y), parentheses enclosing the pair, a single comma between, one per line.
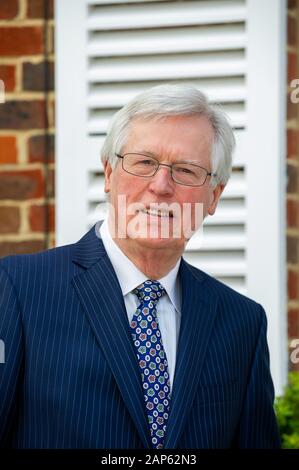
(149,153)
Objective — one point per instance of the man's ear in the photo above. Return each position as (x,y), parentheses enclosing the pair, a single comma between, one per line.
(217,191)
(107,171)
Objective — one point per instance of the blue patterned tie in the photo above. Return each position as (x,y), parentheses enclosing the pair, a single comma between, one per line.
(152,359)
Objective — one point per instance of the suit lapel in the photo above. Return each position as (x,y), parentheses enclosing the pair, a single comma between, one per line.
(101,297)
(198,314)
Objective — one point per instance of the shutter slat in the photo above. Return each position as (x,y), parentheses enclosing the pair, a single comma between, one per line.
(162,14)
(223,264)
(175,66)
(99,122)
(227,216)
(236,187)
(142,42)
(237,283)
(217,242)
(112,2)
(117,95)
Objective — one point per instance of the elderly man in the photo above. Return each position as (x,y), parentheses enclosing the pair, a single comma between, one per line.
(116,341)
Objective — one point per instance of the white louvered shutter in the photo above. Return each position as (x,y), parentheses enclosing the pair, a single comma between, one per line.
(108,51)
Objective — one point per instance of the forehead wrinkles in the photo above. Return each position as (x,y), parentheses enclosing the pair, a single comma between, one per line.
(200,137)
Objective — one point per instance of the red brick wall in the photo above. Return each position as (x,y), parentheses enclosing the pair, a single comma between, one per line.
(293,176)
(26,126)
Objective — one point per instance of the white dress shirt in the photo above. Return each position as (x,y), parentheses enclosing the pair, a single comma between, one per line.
(168,307)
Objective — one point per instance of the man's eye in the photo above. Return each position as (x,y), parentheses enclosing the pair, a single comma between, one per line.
(184,170)
(147,162)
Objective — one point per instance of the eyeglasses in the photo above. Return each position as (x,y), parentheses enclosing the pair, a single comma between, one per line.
(188,174)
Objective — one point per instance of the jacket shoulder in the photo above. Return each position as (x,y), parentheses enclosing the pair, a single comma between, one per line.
(43,260)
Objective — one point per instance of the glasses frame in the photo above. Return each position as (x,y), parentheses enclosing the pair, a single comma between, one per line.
(208,173)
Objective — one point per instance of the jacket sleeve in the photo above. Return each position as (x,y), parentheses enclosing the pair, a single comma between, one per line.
(258,426)
(11,359)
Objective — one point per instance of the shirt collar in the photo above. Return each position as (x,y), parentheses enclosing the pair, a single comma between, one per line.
(123,265)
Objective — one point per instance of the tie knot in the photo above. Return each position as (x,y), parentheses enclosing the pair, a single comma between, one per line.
(149,291)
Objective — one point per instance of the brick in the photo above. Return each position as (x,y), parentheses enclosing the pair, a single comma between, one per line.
(39,145)
(292,249)
(8,9)
(293,367)
(292,4)
(9,219)
(8,75)
(17,248)
(52,242)
(293,285)
(40,9)
(51,183)
(16,41)
(52,40)
(292,179)
(51,218)
(8,149)
(37,218)
(293,323)
(19,185)
(38,215)
(292,213)
(292,31)
(292,66)
(22,115)
(38,77)
(292,108)
(51,113)
(293,142)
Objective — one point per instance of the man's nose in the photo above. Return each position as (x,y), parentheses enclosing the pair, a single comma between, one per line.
(162,181)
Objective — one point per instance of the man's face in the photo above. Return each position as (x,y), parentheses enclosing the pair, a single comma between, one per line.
(170,140)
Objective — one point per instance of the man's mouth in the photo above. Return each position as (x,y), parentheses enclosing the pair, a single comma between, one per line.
(156,212)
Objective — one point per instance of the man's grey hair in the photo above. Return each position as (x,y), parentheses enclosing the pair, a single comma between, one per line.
(173,100)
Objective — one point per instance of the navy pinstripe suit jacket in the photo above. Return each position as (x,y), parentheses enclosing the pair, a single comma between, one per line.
(71,378)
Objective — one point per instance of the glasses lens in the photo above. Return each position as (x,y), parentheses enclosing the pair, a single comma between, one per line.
(140,165)
(183,173)
(186,173)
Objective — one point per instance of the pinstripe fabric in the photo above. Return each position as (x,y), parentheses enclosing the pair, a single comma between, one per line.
(70,381)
